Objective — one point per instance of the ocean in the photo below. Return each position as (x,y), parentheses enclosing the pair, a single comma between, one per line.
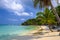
(14,30)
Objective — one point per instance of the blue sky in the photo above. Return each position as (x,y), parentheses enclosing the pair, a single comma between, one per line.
(17,11)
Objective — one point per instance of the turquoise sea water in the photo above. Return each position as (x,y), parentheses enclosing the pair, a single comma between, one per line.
(14,29)
(15,32)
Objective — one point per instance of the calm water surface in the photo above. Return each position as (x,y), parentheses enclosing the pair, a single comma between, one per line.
(14,29)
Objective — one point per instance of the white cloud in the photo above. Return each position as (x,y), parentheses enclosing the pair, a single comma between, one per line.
(11,4)
(59,1)
(54,3)
(31,14)
(22,14)
(22,19)
(14,6)
(25,13)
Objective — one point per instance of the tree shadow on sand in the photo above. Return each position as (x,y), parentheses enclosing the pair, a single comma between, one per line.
(16,37)
(25,37)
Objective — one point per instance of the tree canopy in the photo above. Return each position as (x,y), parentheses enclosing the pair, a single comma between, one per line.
(43,18)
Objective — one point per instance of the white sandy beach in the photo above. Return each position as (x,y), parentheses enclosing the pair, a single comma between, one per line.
(35,35)
(49,38)
(46,36)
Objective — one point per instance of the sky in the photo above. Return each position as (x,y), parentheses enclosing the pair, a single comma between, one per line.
(17,11)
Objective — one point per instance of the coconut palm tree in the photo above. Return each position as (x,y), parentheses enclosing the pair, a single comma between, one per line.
(46,4)
(58,10)
(47,18)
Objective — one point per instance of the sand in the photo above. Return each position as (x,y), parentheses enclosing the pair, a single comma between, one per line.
(48,38)
(46,35)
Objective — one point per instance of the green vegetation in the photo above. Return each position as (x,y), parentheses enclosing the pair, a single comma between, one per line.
(53,14)
(58,10)
(32,22)
(43,18)
(47,17)
(47,4)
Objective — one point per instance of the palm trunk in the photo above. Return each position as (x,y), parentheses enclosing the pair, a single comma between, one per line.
(59,33)
(50,28)
(58,2)
(55,13)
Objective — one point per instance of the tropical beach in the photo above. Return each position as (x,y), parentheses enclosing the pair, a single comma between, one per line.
(29,19)
(35,34)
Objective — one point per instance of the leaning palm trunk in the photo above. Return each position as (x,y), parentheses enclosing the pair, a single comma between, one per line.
(50,28)
(55,13)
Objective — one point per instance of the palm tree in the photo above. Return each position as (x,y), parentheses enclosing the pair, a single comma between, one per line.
(58,10)
(47,18)
(46,4)
(50,18)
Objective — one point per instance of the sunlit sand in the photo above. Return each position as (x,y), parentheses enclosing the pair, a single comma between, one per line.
(47,35)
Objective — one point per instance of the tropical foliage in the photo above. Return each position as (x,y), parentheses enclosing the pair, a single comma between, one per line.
(46,4)
(32,22)
(47,17)
(58,10)
(43,18)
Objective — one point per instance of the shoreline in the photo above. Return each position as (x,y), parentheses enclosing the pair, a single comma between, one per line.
(31,36)
(47,36)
